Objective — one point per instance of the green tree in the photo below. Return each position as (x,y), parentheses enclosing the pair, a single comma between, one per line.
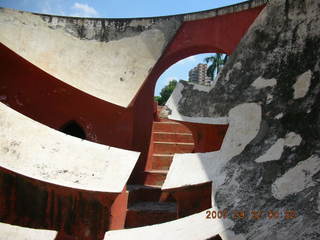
(217,61)
(166,92)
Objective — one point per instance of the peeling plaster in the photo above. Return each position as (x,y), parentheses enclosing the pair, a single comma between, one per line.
(171,108)
(297,178)
(230,235)
(261,82)
(302,85)
(318,201)
(269,98)
(279,116)
(292,139)
(273,153)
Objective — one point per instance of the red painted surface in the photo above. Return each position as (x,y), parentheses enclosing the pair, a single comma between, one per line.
(138,219)
(207,137)
(194,199)
(170,126)
(173,137)
(155,178)
(161,162)
(76,214)
(119,211)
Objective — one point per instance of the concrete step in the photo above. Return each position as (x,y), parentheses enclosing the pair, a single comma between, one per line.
(161,161)
(142,193)
(170,127)
(155,177)
(148,213)
(172,137)
(172,147)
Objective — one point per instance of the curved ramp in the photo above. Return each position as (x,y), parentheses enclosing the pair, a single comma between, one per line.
(36,151)
(10,232)
(194,227)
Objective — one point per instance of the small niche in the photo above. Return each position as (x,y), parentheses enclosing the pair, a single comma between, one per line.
(74,129)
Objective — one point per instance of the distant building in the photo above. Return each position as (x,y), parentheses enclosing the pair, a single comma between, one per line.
(199,75)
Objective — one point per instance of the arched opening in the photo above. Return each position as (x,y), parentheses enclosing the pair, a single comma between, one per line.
(74,129)
(170,137)
(201,69)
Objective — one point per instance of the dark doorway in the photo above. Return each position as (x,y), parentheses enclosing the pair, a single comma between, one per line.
(74,129)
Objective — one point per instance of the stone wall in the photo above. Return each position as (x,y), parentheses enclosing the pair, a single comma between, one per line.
(276,66)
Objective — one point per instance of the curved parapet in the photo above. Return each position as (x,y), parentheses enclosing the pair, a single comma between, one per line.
(107,58)
(244,125)
(196,226)
(39,152)
(9,232)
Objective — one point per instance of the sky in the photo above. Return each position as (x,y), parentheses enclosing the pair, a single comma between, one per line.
(126,9)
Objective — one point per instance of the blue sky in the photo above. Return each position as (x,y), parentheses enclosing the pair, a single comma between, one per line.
(126,9)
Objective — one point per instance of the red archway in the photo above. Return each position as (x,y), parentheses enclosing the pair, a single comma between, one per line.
(217,34)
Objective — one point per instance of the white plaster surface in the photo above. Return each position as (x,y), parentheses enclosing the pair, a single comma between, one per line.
(318,202)
(261,82)
(11,232)
(172,104)
(113,71)
(279,116)
(302,85)
(244,125)
(297,178)
(194,227)
(273,153)
(269,98)
(32,149)
(292,139)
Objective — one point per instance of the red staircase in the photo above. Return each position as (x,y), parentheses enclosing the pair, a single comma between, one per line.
(146,203)
(168,137)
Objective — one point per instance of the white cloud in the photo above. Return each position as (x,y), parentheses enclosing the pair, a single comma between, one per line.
(84,10)
(187,60)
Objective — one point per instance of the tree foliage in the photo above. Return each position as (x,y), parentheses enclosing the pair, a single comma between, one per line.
(217,61)
(166,92)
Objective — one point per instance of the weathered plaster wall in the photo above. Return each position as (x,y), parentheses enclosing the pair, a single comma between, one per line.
(275,68)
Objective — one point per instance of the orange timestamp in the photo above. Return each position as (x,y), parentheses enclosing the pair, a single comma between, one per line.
(253,214)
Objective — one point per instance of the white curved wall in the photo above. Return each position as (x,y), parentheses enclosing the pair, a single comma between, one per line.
(34,150)
(11,232)
(193,227)
(112,71)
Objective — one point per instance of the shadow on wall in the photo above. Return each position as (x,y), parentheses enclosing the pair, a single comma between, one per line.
(74,129)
